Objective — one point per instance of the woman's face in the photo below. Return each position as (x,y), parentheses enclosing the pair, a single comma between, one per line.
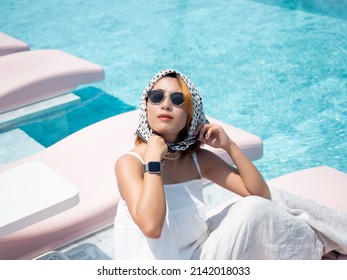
(165,118)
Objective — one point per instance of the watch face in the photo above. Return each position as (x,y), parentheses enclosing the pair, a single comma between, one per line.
(154,167)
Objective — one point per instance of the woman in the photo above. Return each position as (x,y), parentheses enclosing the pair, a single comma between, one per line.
(162,213)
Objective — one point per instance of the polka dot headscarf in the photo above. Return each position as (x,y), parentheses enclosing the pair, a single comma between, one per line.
(145,131)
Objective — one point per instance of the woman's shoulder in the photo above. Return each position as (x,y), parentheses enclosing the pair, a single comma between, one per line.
(204,153)
(207,158)
(131,157)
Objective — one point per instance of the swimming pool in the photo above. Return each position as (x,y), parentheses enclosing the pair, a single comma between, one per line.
(275,68)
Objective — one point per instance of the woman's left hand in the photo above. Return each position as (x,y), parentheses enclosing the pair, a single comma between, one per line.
(213,135)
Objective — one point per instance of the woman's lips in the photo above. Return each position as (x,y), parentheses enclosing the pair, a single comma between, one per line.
(165,117)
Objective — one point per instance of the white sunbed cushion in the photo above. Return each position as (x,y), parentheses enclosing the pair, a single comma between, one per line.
(30,193)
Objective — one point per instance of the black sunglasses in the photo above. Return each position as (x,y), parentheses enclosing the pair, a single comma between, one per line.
(157,96)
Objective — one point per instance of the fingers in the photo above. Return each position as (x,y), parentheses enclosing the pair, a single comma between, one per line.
(202,132)
(205,131)
(157,144)
(212,134)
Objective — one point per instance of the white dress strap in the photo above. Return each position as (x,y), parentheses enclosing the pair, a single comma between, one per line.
(196,163)
(136,155)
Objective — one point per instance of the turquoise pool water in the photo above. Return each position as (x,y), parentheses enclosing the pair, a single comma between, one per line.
(275,68)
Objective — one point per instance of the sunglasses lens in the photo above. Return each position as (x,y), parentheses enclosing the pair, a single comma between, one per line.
(155,96)
(177,98)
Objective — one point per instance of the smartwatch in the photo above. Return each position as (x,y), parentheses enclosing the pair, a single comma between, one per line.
(153,167)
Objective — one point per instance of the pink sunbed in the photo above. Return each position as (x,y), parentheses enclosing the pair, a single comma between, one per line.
(9,44)
(86,159)
(30,76)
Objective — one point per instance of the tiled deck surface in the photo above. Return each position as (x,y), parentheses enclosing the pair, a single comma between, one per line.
(97,246)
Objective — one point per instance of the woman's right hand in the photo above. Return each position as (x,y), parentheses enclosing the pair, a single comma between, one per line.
(156,148)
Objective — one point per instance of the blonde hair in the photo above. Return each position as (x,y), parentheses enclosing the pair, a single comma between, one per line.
(190,110)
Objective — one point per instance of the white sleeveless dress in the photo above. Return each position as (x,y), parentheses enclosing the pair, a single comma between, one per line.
(184,229)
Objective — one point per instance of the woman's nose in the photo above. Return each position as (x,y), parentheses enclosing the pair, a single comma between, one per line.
(166,104)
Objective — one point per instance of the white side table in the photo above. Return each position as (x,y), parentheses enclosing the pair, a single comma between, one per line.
(30,193)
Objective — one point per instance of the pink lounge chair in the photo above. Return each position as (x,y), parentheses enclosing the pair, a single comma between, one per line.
(9,44)
(30,76)
(86,159)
